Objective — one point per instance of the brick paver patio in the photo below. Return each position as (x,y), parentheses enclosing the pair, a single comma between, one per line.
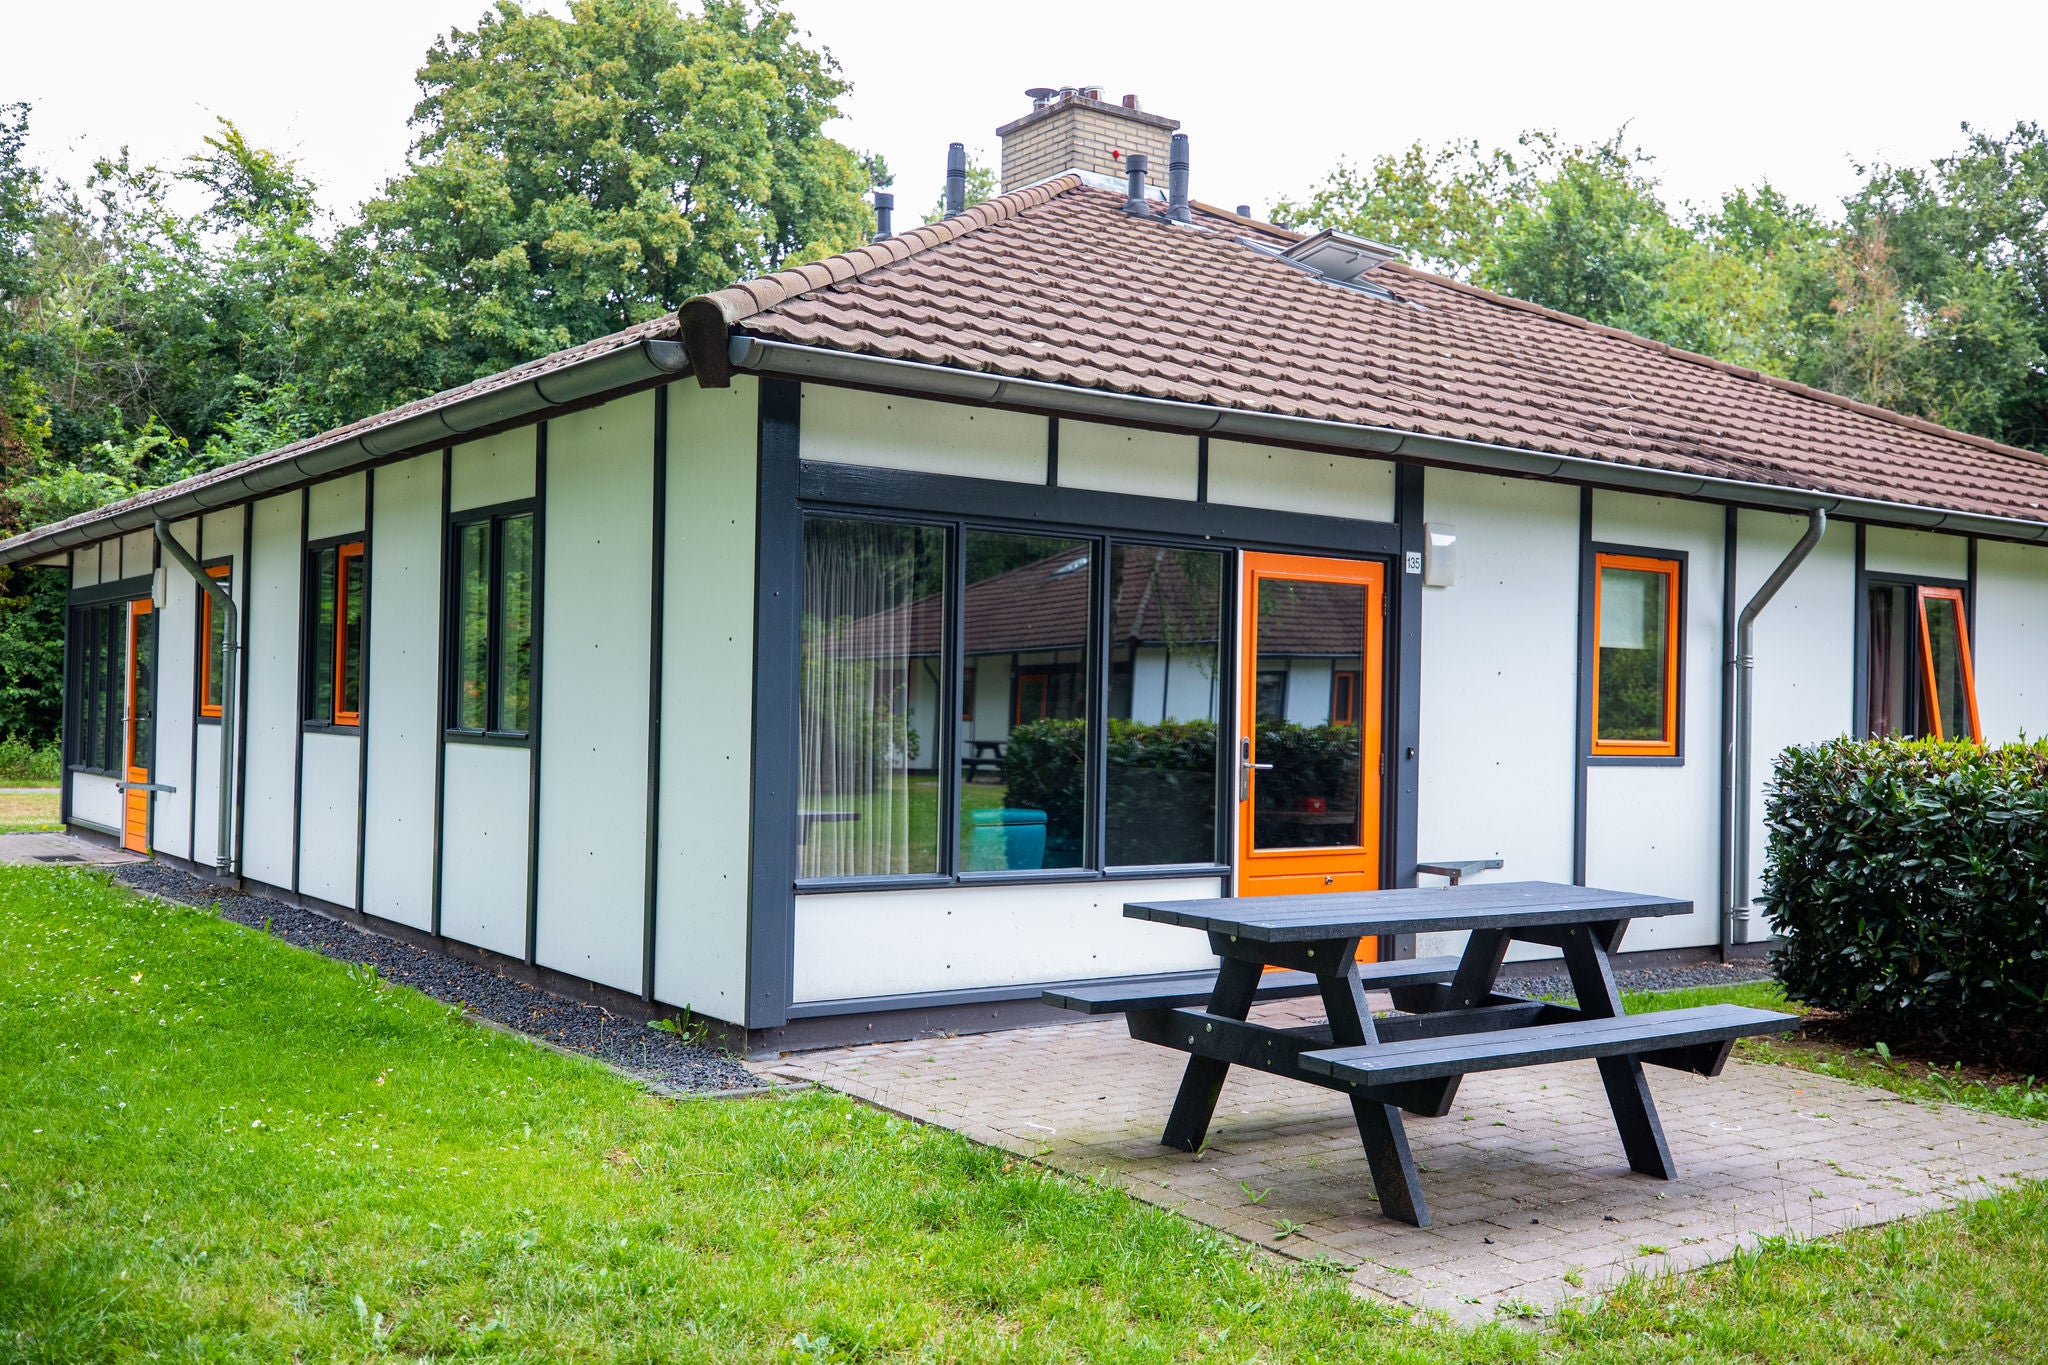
(1532,1199)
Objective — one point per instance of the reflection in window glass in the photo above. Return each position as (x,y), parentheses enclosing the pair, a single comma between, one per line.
(142,705)
(1633,640)
(869,701)
(1309,633)
(513,684)
(1166,641)
(348,703)
(1023,760)
(320,588)
(472,625)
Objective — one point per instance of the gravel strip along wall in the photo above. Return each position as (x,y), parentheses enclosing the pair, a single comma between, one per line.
(1646,978)
(590,1030)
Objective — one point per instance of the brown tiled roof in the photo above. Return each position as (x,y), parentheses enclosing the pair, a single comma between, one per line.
(1057,283)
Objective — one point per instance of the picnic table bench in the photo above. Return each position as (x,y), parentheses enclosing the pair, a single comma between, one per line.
(1452,1020)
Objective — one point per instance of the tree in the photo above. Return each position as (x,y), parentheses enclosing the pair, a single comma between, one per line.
(982,184)
(572,176)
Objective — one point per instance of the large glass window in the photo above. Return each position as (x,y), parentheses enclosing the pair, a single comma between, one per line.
(870,708)
(1026,609)
(334,652)
(952,717)
(490,611)
(99,647)
(1635,655)
(212,634)
(1311,653)
(1166,659)
(1918,678)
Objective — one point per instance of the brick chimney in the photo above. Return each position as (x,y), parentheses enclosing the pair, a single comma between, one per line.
(1076,129)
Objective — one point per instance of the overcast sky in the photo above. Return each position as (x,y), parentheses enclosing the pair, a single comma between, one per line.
(1272,95)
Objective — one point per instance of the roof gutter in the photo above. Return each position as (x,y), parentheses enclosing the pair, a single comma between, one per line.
(760,355)
(317,459)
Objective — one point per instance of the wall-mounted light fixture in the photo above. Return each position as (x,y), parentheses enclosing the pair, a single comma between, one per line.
(1439,555)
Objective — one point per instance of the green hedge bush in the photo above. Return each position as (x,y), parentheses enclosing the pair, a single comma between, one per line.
(22,764)
(1909,882)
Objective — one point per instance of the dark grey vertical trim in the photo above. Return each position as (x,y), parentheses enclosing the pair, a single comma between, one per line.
(1584,746)
(441,688)
(1052,452)
(67,725)
(1095,783)
(1731,535)
(1404,786)
(533,719)
(1970,595)
(244,582)
(363,699)
(1859,688)
(1202,468)
(771,898)
(299,684)
(198,684)
(657,597)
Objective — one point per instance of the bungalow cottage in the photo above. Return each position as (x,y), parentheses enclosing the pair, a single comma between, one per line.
(836,657)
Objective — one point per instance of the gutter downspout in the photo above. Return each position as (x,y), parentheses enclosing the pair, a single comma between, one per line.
(224,603)
(1737,923)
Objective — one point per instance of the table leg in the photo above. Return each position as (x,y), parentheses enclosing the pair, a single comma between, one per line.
(1380,1128)
(1628,1090)
(1237,985)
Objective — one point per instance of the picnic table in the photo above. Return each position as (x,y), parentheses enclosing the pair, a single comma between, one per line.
(1451,1021)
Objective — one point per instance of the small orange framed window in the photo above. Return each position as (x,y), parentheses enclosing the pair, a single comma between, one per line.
(210,634)
(335,592)
(1945,667)
(1636,630)
(1344,697)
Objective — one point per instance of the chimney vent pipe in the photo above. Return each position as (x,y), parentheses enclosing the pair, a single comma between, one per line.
(885,208)
(1177,181)
(956,179)
(1135,166)
(1244,210)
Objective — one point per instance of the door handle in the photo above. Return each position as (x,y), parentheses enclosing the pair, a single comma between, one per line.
(1245,768)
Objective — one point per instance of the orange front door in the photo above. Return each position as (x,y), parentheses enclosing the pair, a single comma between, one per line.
(141,724)
(1309,725)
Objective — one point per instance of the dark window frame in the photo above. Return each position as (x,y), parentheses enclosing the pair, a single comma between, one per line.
(310,672)
(1919,711)
(494,517)
(1596,754)
(99,739)
(1101,543)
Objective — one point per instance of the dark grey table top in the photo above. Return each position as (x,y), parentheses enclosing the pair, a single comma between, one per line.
(1415,910)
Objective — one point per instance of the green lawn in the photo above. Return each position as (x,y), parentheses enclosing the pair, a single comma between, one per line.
(26,812)
(215,1147)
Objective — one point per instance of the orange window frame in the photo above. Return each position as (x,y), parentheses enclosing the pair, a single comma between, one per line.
(211,681)
(1666,747)
(1921,597)
(343,554)
(1344,697)
(1044,681)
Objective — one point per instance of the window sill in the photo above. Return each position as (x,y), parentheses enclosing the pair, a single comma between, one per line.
(488,737)
(1048,877)
(1635,760)
(84,771)
(328,727)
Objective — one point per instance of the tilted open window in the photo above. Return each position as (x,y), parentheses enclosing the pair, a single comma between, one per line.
(490,614)
(1919,677)
(1637,625)
(212,627)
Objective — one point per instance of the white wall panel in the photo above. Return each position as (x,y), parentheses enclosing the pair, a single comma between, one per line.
(2009,645)
(177,647)
(137,550)
(1916,554)
(494,470)
(848,426)
(404,670)
(335,508)
(327,817)
(1499,719)
(707,701)
(270,604)
(96,800)
(483,846)
(1125,460)
(597,594)
(1247,475)
(1805,648)
(863,943)
(219,539)
(85,567)
(1657,828)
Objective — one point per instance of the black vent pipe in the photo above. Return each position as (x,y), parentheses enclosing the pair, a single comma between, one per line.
(1135,165)
(885,207)
(1177,181)
(956,179)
